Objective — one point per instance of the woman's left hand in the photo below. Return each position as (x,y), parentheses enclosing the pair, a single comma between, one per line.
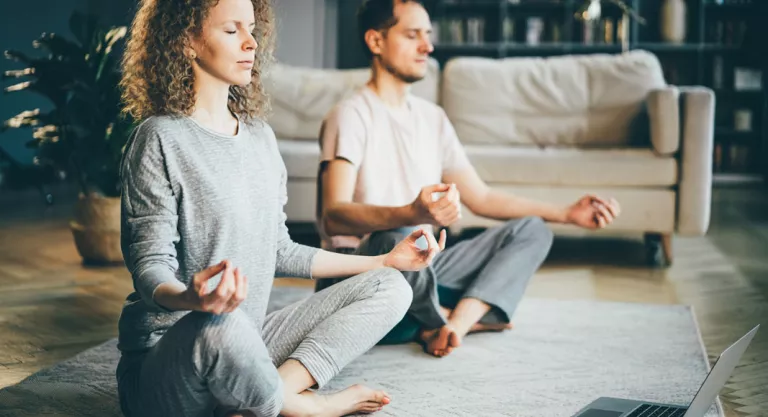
(408,256)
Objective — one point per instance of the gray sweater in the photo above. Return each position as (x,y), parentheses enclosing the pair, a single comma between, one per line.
(192,198)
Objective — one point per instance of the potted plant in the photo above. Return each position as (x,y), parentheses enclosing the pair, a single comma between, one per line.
(83,136)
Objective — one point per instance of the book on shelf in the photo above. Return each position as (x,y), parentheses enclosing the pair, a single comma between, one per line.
(475,30)
(600,32)
(454,30)
(470,2)
(508,30)
(533,1)
(717,158)
(721,2)
(728,32)
(732,157)
(739,160)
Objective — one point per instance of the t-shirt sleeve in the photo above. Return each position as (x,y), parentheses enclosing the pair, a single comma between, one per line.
(454,158)
(343,135)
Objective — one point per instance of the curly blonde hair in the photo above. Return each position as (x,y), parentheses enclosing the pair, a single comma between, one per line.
(157,75)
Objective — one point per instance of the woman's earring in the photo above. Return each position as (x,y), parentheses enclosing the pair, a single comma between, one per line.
(193,55)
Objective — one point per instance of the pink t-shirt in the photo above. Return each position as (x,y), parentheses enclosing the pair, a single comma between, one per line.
(395,153)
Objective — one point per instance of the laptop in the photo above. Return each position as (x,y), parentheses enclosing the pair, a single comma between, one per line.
(713,383)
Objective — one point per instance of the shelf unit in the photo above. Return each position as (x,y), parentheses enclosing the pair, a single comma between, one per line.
(710,55)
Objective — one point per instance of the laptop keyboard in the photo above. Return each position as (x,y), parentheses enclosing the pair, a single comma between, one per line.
(647,410)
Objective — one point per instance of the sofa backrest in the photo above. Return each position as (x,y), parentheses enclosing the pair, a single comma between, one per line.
(302,97)
(577,100)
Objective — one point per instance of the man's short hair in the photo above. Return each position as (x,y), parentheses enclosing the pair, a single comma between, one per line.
(377,15)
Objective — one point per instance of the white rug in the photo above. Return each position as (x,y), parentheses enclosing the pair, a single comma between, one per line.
(561,356)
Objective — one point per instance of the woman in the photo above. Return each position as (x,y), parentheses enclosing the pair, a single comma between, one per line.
(204,234)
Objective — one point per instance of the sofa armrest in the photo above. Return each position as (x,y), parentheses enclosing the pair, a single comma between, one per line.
(695,186)
(664,116)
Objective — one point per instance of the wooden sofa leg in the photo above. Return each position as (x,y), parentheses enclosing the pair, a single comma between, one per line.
(658,249)
(666,246)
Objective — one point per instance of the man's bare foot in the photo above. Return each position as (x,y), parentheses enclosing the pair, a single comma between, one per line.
(478,327)
(440,342)
(353,400)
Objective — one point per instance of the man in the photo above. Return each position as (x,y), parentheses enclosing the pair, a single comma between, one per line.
(392,161)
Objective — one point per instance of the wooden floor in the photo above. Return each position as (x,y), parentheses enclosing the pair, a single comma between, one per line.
(51,307)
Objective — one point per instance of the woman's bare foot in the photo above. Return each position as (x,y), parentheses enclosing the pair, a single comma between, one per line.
(353,400)
(477,327)
(440,342)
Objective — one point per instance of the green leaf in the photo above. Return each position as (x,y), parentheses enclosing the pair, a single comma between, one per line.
(18,73)
(81,78)
(111,38)
(60,47)
(17,56)
(26,118)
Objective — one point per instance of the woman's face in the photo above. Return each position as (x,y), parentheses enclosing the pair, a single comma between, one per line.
(225,49)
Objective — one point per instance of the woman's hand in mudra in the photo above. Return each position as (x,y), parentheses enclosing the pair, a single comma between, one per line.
(408,256)
(225,298)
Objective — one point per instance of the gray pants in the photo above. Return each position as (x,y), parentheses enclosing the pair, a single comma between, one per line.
(206,363)
(494,267)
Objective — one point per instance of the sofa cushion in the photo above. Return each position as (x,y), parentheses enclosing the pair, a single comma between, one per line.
(302,97)
(301,157)
(577,100)
(529,165)
(572,166)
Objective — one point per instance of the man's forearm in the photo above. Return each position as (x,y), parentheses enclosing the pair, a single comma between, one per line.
(356,219)
(502,206)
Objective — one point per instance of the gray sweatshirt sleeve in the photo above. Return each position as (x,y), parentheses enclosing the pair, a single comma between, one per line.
(293,259)
(149,210)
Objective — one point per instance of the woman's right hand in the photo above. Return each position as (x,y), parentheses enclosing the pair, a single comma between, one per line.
(225,298)
(408,256)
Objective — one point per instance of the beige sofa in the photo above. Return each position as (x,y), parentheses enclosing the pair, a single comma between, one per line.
(549,128)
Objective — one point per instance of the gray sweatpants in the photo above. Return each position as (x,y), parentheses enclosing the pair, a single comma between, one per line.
(494,267)
(207,362)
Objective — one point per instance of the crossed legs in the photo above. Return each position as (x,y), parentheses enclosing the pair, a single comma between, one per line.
(224,364)
(474,285)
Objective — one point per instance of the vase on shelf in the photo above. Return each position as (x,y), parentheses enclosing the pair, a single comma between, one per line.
(673,21)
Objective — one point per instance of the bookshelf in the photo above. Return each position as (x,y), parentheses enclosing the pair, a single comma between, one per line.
(717,53)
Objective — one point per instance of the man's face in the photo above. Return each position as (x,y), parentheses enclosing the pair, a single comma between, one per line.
(404,48)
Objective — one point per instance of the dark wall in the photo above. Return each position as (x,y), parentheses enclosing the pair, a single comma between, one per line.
(349,48)
(114,12)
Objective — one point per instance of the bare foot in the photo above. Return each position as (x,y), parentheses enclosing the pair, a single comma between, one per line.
(353,400)
(477,327)
(440,342)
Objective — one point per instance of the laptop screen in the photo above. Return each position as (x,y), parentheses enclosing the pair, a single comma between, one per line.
(719,375)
